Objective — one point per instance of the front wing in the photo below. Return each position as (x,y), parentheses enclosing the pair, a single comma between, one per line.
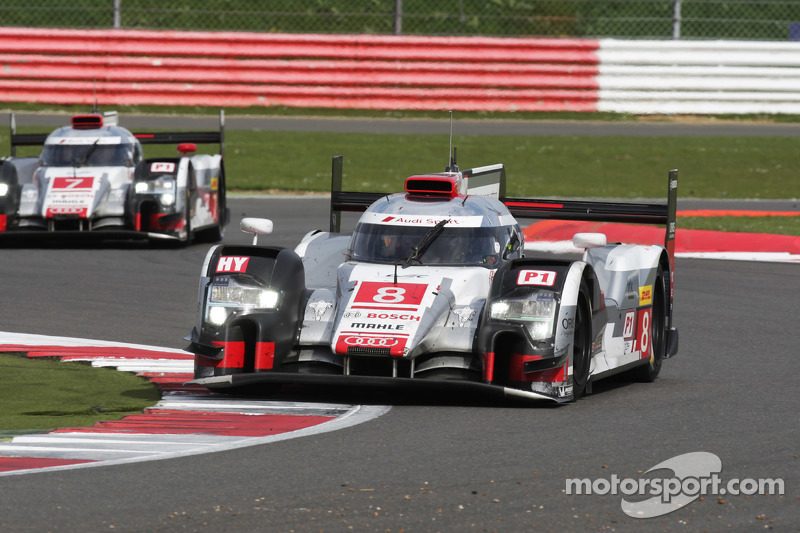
(398,384)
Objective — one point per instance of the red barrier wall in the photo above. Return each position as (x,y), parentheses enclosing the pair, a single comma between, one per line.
(129,67)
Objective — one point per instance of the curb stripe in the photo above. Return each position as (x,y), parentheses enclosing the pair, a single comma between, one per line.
(189,420)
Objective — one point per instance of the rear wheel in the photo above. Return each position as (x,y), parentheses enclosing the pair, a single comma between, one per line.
(649,372)
(582,343)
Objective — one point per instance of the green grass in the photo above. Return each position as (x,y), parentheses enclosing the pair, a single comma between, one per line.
(39,395)
(622,167)
(777,225)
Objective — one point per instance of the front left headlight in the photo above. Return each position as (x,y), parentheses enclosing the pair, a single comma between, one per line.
(537,312)
(3,189)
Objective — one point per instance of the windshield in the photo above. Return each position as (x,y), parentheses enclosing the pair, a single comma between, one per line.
(381,243)
(99,155)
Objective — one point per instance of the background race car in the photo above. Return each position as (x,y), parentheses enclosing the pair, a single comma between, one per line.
(91,180)
(434,289)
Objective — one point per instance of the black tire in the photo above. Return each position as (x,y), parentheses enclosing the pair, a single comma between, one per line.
(648,373)
(582,343)
(209,235)
(187,217)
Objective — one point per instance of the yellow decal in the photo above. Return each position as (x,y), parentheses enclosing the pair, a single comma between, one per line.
(646,295)
(214,183)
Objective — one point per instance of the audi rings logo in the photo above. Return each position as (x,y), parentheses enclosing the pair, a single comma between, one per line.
(379,342)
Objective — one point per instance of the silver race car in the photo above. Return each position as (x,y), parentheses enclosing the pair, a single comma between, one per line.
(434,288)
(91,180)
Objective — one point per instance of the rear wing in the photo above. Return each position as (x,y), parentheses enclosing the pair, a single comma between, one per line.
(161,137)
(492,178)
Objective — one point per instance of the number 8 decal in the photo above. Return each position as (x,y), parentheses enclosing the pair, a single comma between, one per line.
(643,332)
(389,295)
(645,341)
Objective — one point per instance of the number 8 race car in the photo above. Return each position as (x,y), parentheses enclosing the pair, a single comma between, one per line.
(91,181)
(434,289)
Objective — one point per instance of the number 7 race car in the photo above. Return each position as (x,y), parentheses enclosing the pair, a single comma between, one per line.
(91,180)
(434,289)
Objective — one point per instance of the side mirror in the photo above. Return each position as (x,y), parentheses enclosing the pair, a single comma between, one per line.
(589,240)
(256,226)
(512,246)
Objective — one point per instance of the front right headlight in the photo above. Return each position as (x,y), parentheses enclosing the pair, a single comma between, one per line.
(162,185)
(230,297)
(537,312)
(244,296)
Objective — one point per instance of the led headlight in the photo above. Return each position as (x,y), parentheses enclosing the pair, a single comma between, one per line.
(3,189)
(167,199)
(225,298)
(241,296)
(217,315)
(537,312)
(162,185)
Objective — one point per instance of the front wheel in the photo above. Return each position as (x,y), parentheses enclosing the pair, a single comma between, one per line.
(582,344)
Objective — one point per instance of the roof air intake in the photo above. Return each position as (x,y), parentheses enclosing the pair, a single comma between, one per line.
(91,121)
(432,185)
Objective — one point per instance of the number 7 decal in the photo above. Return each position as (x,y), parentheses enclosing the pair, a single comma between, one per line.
(73,183)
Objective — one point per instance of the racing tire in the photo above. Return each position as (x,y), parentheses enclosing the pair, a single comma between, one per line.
(187,218)
(210,235)
(648,373)
(582,344)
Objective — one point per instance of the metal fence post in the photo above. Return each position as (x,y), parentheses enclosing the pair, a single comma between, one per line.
(398,17)
(676,20)
(117,14)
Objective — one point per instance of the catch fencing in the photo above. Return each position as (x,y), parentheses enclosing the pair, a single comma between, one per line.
(640,19)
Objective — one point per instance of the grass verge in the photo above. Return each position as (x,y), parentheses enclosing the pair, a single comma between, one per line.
(775,225)
(621,167)
(39,395)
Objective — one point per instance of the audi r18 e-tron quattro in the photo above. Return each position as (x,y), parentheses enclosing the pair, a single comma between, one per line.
(92,180)
(434,288)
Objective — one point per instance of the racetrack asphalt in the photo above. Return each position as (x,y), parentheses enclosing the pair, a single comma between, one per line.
(430,464)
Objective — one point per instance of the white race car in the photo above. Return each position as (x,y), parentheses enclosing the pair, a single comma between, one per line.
(434,289)
(91,181)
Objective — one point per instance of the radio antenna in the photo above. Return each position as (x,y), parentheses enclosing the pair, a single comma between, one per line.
(451,154)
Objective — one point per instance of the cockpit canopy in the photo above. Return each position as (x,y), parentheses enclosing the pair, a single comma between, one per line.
(99,155)
(455,246)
